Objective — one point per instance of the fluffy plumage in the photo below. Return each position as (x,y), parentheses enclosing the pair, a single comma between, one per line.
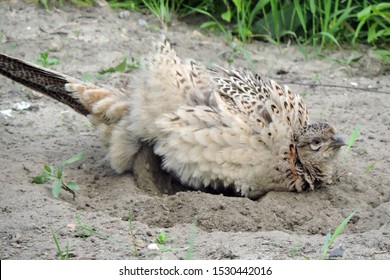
(211,127)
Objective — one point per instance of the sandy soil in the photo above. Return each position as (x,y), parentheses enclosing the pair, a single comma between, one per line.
(277,226)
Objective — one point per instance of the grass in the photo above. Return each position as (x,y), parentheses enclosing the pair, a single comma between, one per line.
(61,255)
(128,63)
(47,4)
(131,228)
(312,24)
(330,238)
(294,248)
(351,140)
(162,10)
(370,166)
(50,173)
(123,66)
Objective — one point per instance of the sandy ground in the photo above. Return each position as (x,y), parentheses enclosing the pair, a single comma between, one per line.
(277,226)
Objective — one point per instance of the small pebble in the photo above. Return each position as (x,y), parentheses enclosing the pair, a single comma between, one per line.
(337,253)
(153,247)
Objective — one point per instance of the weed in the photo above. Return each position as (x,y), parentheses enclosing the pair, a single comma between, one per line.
(162,237)
(61,255)
(121,67)
(161,9)
(45,61)
(330,238)
(191,242)
(50,173)
(79,3)
(351,140)
(130,216)
(370,166)
(294,249)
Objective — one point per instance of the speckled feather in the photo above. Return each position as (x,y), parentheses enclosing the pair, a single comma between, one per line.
(212,127)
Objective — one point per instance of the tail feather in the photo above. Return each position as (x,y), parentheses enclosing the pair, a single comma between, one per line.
(46,81)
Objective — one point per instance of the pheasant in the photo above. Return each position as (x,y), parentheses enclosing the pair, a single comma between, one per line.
(205,127)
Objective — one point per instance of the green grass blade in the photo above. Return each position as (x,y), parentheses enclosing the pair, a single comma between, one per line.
(301,18)
(301,47)
(331,37)
(352,139)
(131,228)
(74,158)
(217,23)
(59,251)
(191,242)
(370,166)
(336,233)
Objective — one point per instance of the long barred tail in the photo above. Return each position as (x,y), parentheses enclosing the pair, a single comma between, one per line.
(46,81)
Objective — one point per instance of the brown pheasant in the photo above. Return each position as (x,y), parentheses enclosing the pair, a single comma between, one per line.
(211,127)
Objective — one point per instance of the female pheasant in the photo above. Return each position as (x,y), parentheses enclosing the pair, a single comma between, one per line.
(211,127)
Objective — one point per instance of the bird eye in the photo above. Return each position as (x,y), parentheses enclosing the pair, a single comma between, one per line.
(315,144)
(316,141)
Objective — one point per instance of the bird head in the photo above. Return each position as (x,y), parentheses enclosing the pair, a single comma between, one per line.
(316,147)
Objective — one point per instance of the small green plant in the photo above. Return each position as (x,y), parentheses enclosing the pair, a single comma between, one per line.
(45,61)
(370,166)
(295,247)
(50,173)
(351,140)
(123,66)
(162,237)
(131,227)
(330,238)
(61,255)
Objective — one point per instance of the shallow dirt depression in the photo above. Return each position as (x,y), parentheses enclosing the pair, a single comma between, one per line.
(278,226)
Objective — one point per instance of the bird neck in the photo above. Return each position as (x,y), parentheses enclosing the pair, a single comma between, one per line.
(307,172)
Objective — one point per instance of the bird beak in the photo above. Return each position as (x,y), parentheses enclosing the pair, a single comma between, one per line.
(337,142)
